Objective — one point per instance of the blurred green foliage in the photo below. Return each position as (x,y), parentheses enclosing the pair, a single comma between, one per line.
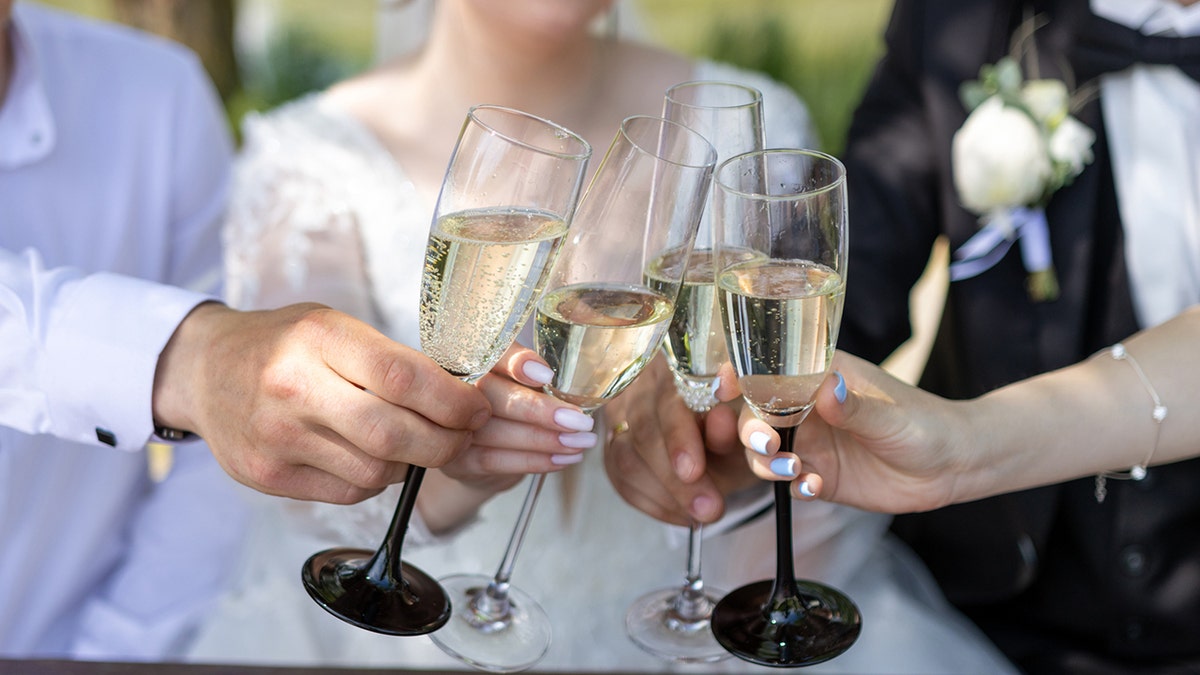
(823,49)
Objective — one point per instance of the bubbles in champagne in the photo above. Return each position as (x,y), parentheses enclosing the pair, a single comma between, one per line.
(782,318)
(597,338)
(484,270)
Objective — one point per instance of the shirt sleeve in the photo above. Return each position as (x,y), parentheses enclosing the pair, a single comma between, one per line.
(71,367)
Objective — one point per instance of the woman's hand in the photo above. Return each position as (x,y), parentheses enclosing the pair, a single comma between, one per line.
(667,461)
(529,432)
(871,441)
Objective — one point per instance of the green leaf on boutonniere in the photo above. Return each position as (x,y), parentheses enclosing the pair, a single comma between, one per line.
(973,94)
(1043,285)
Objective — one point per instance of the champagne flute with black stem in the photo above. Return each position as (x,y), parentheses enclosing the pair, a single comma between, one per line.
(781,309)
(505,204)
(602,317)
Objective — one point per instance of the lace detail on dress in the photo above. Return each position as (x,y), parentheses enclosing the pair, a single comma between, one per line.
(321,212)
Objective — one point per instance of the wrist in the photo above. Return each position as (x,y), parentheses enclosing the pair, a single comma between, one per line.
(178,374)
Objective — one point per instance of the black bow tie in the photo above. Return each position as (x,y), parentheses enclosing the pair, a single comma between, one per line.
(1103,46)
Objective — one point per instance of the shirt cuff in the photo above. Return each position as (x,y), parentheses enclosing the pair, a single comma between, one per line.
(103,340)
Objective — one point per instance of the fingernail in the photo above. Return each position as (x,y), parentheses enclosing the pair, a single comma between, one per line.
(481,418)
(573,419)
(563,460)
(839,390)
(538,372)
(703,507)
(684,466)
(784,467)
(806,490)
(758,442)
(579,439)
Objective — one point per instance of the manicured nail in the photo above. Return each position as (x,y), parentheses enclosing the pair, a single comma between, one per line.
(563,460)
(806,490)
(758,442)
(538,372)
(573,419)
(579,439)
(839,390)
(784,467)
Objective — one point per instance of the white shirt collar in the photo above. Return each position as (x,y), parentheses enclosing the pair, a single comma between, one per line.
(1152,17)
(26,122)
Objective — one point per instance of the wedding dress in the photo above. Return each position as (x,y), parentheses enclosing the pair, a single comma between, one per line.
(322,212)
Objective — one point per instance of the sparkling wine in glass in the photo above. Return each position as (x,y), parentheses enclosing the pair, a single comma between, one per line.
(781,310)
(673,623)
(506,201)
(598,323)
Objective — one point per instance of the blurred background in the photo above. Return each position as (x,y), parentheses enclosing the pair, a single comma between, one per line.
(263,52)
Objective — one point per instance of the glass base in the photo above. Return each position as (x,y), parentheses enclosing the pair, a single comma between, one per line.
(655,623)
(813,627)
(413,605)
(498,644)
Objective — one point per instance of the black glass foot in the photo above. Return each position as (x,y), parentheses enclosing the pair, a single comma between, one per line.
(814,626)
(337,580)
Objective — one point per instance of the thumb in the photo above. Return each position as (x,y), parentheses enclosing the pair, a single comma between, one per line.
(854,398)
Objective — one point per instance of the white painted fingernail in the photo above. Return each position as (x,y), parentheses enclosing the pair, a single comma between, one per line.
(784,467)
(806,490)
(573,419)
(758,442)
(579,439)
(563,460)
(538,372)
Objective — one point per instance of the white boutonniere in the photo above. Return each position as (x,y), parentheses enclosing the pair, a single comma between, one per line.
(1018,146)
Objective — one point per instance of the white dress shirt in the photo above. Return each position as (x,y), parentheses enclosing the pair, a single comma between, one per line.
(114,165)
(1152,115)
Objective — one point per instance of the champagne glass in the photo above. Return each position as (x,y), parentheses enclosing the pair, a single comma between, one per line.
(505,204)
(602,317)
(673,623)
(781,310)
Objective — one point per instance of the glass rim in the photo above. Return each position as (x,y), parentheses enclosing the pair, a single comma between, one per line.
(816,154)
(755,94)
(585,154)
(711,151)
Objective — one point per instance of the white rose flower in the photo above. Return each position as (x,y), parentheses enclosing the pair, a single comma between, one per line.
(1071,144)
(999,158)
(1047,100)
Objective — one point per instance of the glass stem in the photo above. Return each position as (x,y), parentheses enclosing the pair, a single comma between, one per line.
(385,566)
(785,589)
(691,603)
(494,601)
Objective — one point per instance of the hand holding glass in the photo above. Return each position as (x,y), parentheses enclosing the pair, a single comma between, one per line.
(781,308)
(508,195)
(673,623)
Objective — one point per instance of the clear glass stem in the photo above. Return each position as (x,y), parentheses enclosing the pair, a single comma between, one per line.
(493,602)
(692,605)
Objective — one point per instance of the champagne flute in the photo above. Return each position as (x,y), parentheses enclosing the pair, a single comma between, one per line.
(782,310)
(673,623)
(602,317)
(505,204)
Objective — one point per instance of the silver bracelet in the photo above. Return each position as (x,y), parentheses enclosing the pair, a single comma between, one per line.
(1158,414)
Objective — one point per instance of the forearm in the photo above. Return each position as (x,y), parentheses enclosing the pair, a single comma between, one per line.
(1091,417)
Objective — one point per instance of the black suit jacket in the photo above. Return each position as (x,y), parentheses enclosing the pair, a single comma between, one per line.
(1062,583)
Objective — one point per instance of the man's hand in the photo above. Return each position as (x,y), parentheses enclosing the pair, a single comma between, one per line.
(310,403)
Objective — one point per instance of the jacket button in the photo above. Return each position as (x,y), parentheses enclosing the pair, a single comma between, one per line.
(1133,561)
